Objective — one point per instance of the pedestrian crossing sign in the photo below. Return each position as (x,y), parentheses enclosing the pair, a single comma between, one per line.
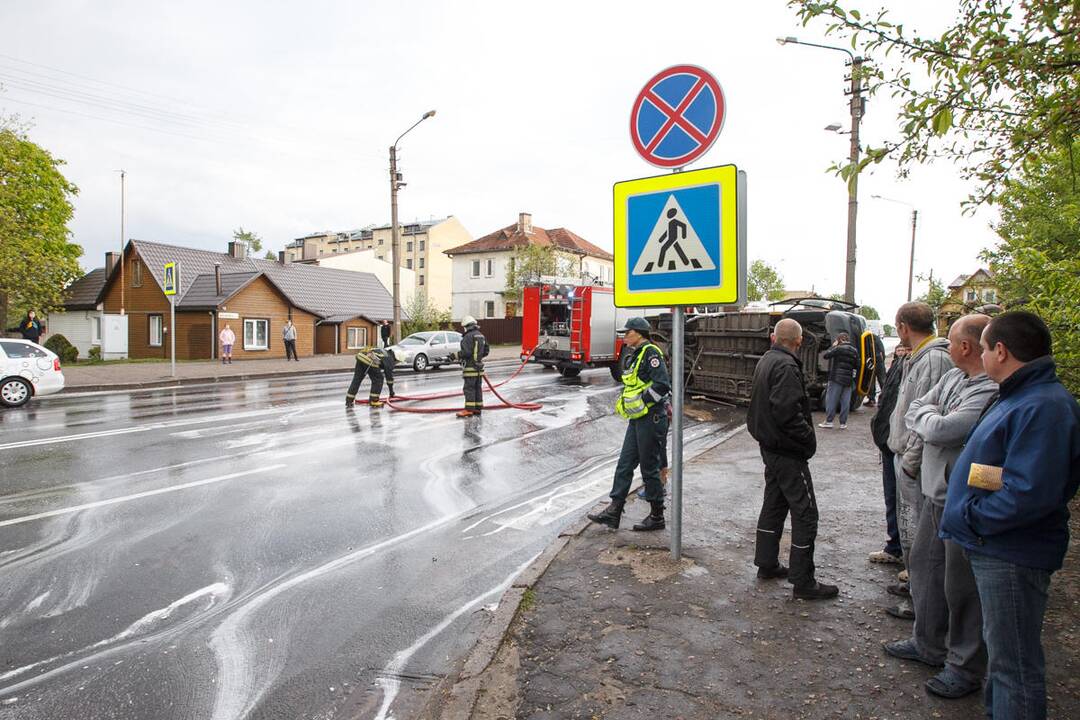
(170,285)
(680,239)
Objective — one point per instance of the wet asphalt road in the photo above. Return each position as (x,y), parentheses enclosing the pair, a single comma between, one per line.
(255,550)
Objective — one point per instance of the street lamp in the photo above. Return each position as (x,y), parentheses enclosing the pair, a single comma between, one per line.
(914,222)
(857,106)
(395,235)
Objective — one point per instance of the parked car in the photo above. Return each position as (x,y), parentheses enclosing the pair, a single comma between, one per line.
(423,350)
(27,369)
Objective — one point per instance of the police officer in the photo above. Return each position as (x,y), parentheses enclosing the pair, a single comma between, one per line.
(474,348)
(642,402)
(375,362)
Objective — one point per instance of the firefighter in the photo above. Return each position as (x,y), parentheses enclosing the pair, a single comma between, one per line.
(643,402)
(375,362)
(474,348)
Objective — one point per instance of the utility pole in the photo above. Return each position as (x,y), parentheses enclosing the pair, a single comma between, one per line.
(122,263)
(911,261)
(395,242)
(857,107)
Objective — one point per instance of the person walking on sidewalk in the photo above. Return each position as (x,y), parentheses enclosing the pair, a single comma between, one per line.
(879,429)
(948,618)
(779,419)
(645,389)
(384,332)
(929,360)
(1007,505)
(474,348)
(228,339)
(288,334)
(843,360)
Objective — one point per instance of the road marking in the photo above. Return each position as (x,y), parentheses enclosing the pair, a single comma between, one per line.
(136,496)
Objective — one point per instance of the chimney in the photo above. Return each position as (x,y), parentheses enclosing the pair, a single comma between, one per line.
(110,262)
(237,250)
(217,278)
(282,257)
(525,223)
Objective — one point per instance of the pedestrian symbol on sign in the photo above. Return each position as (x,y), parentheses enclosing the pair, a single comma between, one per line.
(673,245)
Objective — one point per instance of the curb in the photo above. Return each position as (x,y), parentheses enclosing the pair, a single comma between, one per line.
(462,694)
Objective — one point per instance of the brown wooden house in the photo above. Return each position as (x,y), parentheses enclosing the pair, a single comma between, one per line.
(333,310)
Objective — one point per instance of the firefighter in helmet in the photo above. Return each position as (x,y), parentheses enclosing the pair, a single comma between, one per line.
(642,401)
(474,348)
(375,362)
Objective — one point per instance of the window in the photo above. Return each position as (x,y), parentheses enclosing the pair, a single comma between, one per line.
(475,272)
(421,246)
(381,241)
(420,280)
(408,246)
(156,331)
(489,269)
(378,257)
(421,263)
(408,263)
(990,296)
(136,273)
(453,337)
(970,296)
(256,334)
(489,308)
(95,330)
(22,350)
(357,338)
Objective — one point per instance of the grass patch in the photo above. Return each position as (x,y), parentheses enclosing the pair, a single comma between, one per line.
(528,600)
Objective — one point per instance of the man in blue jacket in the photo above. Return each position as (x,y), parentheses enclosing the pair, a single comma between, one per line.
(1007,505)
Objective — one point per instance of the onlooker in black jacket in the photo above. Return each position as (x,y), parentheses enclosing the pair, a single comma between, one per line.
(779,419)
(879,427)
(843,362)
(30,328)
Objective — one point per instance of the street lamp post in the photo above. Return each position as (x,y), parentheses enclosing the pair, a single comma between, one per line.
(857,107)
(395,233)
(914,223)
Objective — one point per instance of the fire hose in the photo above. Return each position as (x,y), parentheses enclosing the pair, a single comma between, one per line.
(396,402)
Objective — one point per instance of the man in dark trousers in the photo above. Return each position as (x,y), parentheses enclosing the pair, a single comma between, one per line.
(375,363)
(879,429)
(645,388)
(384,333)
(843,361)
(474,348)
(779,419)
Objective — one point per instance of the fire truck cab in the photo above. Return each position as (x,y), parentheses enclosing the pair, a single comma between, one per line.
(571,327)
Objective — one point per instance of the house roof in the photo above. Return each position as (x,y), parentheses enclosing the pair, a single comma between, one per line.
(511,238)
(321,291)
(85,293)
(962,280)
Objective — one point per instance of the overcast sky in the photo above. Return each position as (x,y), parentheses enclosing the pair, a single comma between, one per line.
(277,116)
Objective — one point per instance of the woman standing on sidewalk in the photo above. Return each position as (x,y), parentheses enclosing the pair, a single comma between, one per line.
(227,338)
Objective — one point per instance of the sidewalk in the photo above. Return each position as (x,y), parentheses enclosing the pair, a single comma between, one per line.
(135,375)
(614,628)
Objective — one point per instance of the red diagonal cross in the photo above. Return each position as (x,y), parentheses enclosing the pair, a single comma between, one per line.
(675,115)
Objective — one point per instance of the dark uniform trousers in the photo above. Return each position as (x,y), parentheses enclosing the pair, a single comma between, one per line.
(643,444)
(372,371)
(473,389)
(788,487)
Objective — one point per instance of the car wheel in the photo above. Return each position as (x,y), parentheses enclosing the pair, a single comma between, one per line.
(15,392)
(569,372)
(420,363)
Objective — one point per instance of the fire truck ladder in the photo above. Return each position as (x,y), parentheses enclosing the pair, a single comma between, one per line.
(577,317)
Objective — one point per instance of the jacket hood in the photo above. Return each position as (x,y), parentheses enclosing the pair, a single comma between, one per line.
(935,345)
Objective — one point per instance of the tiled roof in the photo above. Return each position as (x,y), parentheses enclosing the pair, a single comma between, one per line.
(511,238)
(319,290)
(958,282)
(84,293)
(202,290)
(962,280)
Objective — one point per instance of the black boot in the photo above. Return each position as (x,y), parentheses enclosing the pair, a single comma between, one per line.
(655,520)
(610,515)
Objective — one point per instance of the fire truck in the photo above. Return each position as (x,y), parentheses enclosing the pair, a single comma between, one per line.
(572,327)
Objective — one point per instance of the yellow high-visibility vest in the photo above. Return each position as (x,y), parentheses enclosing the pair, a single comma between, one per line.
(631,403)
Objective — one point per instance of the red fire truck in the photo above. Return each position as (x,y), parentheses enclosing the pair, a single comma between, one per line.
(572,327)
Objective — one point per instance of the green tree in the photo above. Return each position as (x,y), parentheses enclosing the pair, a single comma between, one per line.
(37,258)
(533,263)
(869,312)
(1037,262)
(997,86)
(253,241)
(270,255)
(764,282)
(935,295)
(422,315)
(889,330)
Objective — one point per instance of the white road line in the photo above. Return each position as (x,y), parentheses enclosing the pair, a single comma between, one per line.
(136,496)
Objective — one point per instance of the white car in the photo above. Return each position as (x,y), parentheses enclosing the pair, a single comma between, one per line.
(427,349)
(27,369)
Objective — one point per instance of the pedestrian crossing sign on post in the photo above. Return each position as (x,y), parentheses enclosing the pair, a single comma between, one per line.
(680,239)
(170,284)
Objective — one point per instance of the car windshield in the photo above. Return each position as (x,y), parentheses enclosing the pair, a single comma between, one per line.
(417,339)
(22,350)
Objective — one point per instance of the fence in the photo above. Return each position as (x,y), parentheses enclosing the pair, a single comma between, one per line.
(501,331)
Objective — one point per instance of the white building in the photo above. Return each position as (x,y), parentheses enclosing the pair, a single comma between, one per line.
(480,268)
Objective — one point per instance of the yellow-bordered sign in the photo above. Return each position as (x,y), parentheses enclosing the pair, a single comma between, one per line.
(170,283)
(680,239)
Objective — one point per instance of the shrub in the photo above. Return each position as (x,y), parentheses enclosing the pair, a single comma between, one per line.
(95,353)
(61,346)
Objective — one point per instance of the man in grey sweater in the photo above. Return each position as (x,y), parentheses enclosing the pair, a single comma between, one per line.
(929,360)
(948,616)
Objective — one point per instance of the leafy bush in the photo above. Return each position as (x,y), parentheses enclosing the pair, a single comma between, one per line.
(61,346)
(423,315)
(95,353)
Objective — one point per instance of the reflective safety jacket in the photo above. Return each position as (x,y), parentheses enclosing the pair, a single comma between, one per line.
(645,381)
(379,358)
(474,348)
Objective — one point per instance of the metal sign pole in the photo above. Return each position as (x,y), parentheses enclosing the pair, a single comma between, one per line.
(172,333)
(678,324)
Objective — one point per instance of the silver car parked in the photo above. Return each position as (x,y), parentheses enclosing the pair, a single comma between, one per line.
(424,350)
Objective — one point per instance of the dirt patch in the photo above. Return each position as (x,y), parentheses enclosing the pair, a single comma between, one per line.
(649,565)
(499,697)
